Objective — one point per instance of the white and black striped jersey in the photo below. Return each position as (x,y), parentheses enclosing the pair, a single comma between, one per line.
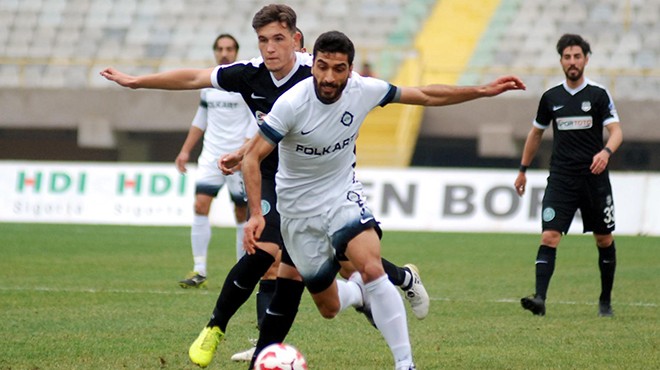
(316,142)
(578,117)
(260,90)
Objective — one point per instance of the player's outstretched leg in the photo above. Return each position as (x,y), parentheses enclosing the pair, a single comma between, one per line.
(237,288)
(408,279)
(280,314)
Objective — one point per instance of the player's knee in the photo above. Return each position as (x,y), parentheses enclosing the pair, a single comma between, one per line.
(329,310)
(551,238)
(372,271)
(240,213)
(202,208)
(271,274)
(604,241)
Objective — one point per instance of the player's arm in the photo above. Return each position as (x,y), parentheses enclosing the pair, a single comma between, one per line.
(436,95)
(602,158)
(257,149)
(176,79)
(194,134)
(230,163)
(532,144)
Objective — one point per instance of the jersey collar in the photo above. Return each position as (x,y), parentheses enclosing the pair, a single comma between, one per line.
(286,78)
(577,89)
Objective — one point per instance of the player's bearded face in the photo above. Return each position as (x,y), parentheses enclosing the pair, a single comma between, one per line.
(573,62)
(330,73)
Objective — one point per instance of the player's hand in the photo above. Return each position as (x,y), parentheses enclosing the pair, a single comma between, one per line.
(599,162)
(230,163)
(252,232)
(120,78)
(181,161)
(521,183)
(504,83)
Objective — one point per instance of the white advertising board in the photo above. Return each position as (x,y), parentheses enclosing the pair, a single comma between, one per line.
(402,199)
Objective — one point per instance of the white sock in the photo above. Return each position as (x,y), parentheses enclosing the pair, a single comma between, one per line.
(390,318)
(240,252)
(200,236)
(350,294)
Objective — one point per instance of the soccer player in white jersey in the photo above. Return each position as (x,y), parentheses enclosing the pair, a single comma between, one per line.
(222,119)
(323,212)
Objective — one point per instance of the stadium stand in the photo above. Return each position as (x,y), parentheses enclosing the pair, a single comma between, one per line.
(60,45)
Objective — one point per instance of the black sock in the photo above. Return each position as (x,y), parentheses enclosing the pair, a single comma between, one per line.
(280,315)
(607,265)
(396,274)
(264,296)
(545,267)
(239,285)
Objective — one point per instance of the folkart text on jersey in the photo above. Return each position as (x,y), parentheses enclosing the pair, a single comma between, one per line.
(341,145)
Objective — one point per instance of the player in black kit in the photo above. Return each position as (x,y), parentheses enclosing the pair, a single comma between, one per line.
(578,110)
(261,81)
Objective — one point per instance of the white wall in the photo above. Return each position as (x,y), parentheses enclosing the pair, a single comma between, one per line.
(407,199)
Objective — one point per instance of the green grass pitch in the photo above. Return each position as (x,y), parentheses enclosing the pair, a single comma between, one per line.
(106,297)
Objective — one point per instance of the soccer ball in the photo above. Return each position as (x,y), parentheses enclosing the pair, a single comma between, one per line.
(280,356)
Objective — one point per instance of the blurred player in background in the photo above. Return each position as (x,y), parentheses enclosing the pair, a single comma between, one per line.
(261,81)
(578,111)
(323,211)
(222,119)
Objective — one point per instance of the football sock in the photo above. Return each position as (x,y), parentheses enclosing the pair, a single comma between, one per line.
(399,276)
(390,317)
(238,286)
(350,293)
(280,314)
(239,240)
(545,267)
(607,265)
(264,296)
(200,236)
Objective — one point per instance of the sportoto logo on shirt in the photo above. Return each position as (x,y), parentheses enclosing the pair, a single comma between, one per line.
(574,123)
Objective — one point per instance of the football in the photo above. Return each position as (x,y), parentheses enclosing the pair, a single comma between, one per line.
(280,356)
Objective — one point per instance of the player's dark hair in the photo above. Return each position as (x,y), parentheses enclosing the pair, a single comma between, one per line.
(335,42)
(569,39)
(302,38)
(225,36)
(275,13)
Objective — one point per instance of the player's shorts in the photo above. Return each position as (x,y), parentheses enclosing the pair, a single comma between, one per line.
(317,243)
(272,232)
(591,194)
(209,180)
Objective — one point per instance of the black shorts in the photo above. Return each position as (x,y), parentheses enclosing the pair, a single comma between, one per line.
(271,233)
(591,194)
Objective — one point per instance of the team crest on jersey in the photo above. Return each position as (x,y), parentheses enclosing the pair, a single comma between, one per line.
(548,214)
(259,115)
(586,106)
(347,119)
(265,207)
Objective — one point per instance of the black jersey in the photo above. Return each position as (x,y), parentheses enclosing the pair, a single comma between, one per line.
(260,90)
(578,117)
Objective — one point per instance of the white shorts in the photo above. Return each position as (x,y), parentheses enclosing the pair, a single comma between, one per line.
(315,244)
(209,180)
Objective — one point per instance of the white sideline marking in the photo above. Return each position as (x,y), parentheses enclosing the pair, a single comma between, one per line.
(517,300)
(180,291)
(94,290)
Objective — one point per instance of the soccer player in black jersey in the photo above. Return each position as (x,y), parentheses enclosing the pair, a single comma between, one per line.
(261,81)
(578,110)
